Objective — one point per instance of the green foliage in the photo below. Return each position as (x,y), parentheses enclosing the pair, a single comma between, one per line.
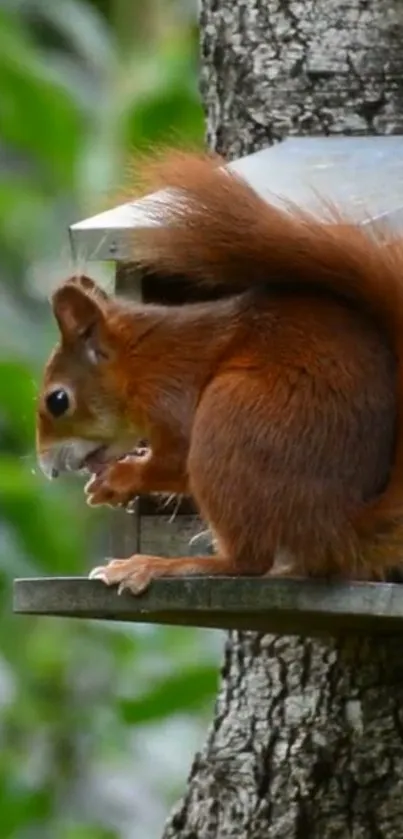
(82,85)
(177,692)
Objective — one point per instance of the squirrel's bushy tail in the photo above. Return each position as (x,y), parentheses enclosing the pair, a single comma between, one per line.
(211,227)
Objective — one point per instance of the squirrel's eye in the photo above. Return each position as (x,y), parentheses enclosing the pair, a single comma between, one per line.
(58,402)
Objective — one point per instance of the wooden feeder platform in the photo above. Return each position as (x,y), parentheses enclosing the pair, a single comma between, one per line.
(290,607)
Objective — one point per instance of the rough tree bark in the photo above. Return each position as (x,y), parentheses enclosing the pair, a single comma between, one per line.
(307,739)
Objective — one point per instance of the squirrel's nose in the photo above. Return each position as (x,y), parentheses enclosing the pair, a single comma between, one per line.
(49,461)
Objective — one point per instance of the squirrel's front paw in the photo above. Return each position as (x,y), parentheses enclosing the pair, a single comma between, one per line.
(134,574)
(116,486)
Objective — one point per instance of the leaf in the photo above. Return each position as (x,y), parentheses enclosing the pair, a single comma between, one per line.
(84,29)
(188,690)
(18,390)
(41,518)
(36,115)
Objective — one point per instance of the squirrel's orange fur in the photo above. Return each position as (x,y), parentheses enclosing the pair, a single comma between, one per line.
(279,408)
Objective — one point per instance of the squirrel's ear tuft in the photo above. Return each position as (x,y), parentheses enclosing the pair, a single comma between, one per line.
(80,317)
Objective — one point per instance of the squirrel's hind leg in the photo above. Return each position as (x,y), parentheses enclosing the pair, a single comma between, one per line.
(230,468)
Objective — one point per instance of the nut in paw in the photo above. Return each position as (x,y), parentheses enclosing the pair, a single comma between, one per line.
(115,485)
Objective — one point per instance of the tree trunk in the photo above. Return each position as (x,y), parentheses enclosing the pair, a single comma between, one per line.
(307,739)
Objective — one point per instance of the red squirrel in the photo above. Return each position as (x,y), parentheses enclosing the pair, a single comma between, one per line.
(277,407)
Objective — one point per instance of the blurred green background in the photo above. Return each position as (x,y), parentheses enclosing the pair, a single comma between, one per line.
(98,722)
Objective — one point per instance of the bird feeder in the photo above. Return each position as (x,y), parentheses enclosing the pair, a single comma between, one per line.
(364,177)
